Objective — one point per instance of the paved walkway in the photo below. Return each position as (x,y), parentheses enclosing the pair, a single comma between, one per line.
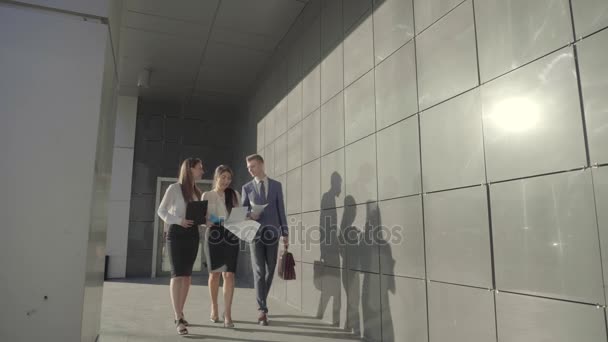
(140,310)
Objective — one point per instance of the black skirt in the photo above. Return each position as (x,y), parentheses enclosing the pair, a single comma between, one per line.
(221,249)
(182,247)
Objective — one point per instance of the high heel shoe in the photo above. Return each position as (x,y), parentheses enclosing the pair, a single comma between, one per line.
(228,324)
(214,318)
(183,330)
(184,319)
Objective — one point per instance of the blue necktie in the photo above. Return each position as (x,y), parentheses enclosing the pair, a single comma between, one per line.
(263,191)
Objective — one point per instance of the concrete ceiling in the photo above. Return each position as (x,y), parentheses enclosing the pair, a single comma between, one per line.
(208,51)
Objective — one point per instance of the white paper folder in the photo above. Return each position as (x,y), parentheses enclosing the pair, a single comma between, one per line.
(238,224)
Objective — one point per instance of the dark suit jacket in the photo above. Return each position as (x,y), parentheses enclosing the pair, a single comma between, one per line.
(272,219)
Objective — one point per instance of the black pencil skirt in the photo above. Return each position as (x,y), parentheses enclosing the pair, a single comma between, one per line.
(221,249)
(182,247)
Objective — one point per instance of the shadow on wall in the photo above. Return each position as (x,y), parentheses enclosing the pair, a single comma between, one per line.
(349,298)
(346,248)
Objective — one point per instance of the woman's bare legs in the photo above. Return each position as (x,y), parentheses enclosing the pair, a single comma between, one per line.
(186,282)
(176,288)
(214,287)
(176,295)
(228,295)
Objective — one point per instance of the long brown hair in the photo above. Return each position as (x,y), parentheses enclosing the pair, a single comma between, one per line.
(186,179)
(230,195)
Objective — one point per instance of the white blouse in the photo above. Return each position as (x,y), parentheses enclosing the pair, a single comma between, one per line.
(172,209)
(216,204)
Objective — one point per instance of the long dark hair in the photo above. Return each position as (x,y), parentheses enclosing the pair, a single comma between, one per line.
(186,179)
(229,193)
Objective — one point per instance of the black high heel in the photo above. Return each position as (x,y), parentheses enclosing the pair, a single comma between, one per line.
(182,331)
(184,319)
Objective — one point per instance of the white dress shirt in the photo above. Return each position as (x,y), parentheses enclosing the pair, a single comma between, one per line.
(258,183)
(216,204)
(172,209)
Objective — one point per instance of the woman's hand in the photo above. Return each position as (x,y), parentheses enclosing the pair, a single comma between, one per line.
(187,223)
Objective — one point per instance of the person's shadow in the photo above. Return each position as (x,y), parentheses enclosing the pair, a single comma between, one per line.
(349,237)
(365,293)
(342,240)
(330,256)
(376,306)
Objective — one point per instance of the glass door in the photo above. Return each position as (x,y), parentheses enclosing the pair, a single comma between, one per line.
(160,259)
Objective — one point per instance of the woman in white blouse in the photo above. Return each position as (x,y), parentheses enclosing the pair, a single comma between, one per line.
(222,247)
(182,236)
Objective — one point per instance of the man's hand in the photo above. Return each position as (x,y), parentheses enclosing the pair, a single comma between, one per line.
(254,216)
(285,241)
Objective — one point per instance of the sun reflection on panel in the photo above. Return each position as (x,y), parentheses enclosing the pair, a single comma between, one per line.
(516,114)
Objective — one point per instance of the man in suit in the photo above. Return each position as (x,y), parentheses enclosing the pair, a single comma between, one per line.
(273,225)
